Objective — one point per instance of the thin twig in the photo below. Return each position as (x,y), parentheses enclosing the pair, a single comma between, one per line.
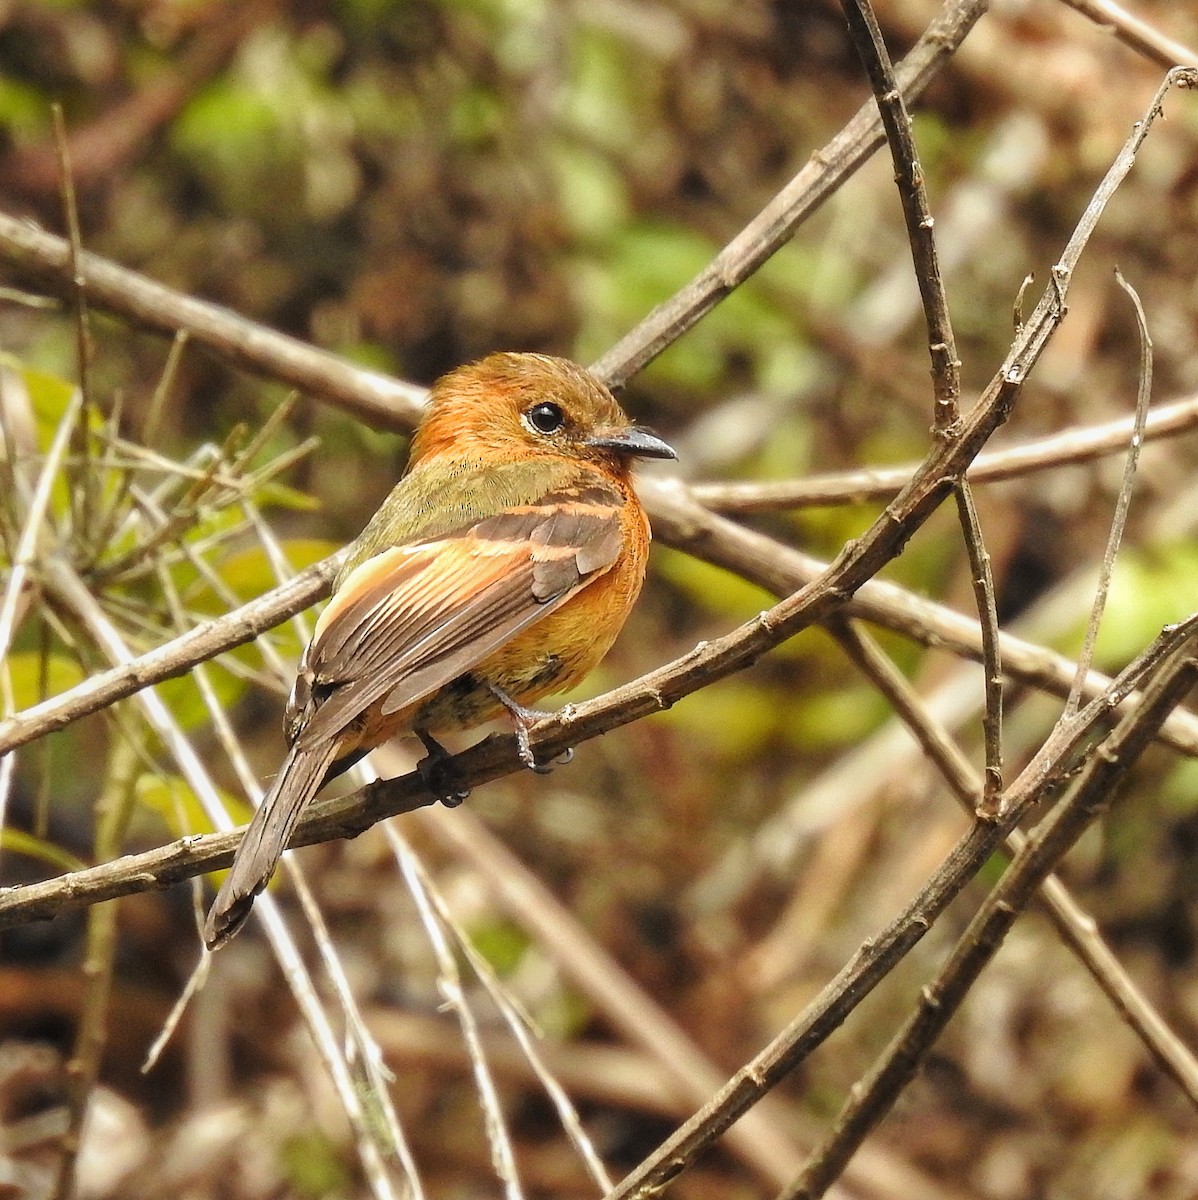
(70,591)
(181,516)
(1076,445)
(876,957)
(24,554)
(519,1025)
(822,175)
(376,1080)
(162,389)
(83,497)
(981,579)
(32,529)
(1138,34)
(908,175)
(1122,501)
(762,1138)
(873,1096)
(173,658)
(449,983)
(113,809)
(378,399)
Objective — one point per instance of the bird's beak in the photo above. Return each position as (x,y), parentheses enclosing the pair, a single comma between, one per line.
(636,441)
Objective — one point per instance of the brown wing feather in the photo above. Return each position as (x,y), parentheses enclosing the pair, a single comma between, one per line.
(411,619)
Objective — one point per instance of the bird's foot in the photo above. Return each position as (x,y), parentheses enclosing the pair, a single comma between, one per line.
(439,773)
(523,718)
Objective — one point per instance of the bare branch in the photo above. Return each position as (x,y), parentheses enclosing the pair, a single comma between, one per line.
(1076,928)
(1122,501)
(762,1138)
(1076,445)
(372,1153)
(873,1097)
(908,174)
(825,171)
(876,957)
(42,258)
(173,658)
(1137,34)
(981,579)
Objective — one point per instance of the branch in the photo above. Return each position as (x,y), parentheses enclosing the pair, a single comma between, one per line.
(1077,445)
(775,225)
(942,349)
(873,1097)
(1137,34)
(173,658)
(1075,927)
(42,258)
(876,957)
(102,148)
(679,521)
(1122,501)
(908,174)
(39,257)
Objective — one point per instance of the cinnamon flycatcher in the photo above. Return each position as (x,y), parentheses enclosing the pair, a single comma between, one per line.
(499,569)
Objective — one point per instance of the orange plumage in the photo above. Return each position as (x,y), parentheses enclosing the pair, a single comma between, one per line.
(499,570)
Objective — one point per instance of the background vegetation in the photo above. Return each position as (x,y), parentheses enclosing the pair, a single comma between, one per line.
(408,185)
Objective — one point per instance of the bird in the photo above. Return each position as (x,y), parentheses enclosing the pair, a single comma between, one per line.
(499,570)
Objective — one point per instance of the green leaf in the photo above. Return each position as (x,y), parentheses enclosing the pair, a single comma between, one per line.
(836,717)
(734,719)
(501,943)
(1149,589)
(186,703)
(313,1165)
(171,797)
(18,842)
(717,590)
(59,674)
(24,114)
(273,494)
(249,573)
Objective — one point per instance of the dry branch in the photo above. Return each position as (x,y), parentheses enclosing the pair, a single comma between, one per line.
(774,226)
(875,958)
(42,259)
(1138,34)
(1077,445)
(1104,770)
(1075,927)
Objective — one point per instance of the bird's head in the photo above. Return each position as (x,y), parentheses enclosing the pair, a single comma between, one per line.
(510,406)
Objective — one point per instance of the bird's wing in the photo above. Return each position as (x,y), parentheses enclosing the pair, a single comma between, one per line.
(412,618)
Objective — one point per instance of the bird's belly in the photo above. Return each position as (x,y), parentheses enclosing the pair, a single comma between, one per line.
(533,665)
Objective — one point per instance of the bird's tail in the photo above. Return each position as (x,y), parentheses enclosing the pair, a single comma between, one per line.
(266,837)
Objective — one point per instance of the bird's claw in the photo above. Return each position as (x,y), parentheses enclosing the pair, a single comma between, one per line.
(439,773)
(523,718)
(543,768)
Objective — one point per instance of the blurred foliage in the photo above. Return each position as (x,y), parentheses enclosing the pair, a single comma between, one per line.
(411,183)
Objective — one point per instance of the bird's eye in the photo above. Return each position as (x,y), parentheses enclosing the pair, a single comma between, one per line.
(546,417)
